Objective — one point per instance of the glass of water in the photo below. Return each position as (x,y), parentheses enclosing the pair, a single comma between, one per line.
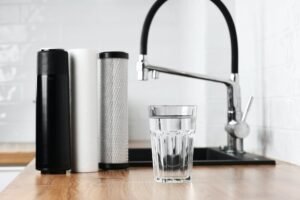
(172,130)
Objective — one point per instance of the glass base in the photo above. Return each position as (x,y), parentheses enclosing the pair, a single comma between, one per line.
(173,180)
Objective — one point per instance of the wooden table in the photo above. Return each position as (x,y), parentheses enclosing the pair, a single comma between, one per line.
(222,182)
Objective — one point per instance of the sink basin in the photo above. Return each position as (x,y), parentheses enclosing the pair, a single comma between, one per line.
(202,156)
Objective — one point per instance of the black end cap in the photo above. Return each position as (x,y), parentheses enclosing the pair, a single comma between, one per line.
(53,61)
(47,171)
(113,54)
(113,166)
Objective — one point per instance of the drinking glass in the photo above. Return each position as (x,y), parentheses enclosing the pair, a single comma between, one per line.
(172,129)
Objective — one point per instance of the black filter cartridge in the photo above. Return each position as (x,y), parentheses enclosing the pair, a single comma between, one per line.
(52,112)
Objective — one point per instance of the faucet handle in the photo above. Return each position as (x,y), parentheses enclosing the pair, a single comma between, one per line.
(242,129)
(245,114)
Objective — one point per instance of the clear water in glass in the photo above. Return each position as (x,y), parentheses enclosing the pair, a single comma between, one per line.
(172,146)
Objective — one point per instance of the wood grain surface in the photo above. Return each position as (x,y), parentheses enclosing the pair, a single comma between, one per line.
(15,158)
(210,182)
(16,153)
(12,154)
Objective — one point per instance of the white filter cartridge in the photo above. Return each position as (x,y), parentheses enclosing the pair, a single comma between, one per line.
(85,154)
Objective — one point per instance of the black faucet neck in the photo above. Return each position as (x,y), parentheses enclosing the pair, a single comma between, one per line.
(226,14)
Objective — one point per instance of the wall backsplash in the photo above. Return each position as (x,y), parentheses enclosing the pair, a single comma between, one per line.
(28,25)
(189,35)
(269,35)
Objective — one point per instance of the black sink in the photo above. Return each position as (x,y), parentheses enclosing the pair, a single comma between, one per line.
(202,156)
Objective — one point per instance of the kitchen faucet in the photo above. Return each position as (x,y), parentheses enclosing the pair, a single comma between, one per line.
(236,127)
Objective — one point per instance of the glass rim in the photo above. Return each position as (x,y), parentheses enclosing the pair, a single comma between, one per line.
(157,106)
(172,110)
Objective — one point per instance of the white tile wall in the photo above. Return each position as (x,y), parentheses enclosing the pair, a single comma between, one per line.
(269,48)
(189,35)
(28,25)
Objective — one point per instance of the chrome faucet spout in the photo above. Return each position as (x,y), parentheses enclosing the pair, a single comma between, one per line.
(165,70)
(237,129)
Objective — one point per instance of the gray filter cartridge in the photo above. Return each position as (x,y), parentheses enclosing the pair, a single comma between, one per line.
(114,110)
